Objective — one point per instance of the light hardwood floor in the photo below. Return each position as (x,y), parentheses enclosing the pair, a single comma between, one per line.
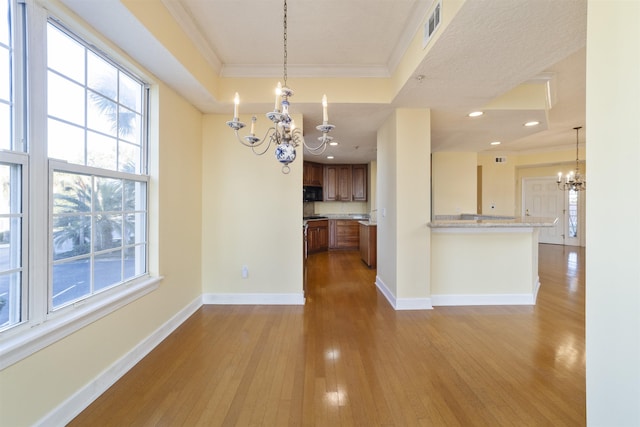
(348,359)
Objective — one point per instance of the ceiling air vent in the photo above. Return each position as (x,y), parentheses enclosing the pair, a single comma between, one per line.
(432,24)
(502,159)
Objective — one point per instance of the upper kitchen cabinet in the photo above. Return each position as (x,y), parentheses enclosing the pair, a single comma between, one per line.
(312,174)
(359,183)
(345,183)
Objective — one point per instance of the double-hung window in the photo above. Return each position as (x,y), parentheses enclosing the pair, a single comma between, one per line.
(73,177)
(95,137)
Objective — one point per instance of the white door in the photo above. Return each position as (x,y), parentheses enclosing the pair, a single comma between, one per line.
(541,198)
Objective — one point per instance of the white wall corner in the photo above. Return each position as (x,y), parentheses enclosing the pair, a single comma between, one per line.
(70,408)
(402,303)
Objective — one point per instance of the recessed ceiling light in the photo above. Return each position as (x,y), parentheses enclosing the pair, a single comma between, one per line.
(330,157)
(333,143)
(475,113)
(532,123)
(495,143)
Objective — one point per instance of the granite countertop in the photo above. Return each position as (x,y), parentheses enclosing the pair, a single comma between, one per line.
(480,221)
(367,223)
(324,217)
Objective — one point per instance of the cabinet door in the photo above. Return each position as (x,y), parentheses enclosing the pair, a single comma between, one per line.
(323,238)
(317,171)
(312,174)
(330,188)
(359,183)
(344,183)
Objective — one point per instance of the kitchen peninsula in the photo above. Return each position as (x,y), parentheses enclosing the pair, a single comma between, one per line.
(485,260)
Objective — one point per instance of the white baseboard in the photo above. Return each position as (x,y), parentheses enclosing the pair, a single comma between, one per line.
(488,299)
(493,299)
(402,303)
(75,404)
(253,299)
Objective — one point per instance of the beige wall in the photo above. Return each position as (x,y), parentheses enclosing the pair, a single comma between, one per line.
(36,385)
(498,185)
(386,230)
(403,182)
(252,215)
(454,183)
(495,263)
(613,249)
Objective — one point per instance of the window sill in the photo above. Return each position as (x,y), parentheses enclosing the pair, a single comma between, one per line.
(25,343)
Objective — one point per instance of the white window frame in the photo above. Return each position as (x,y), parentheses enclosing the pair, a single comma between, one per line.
(41,326)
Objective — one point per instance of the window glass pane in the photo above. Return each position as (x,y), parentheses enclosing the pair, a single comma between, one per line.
(107,269)
(71,193)
(65,55)
(5,73)
(573,213)
(129,123)
(129,158)
(5,189)
(135,194)
(102,114)
(65,99)
(10,299)
(101,151)
(135,228)
(66,142)
(108,232)
(134,261)
(4,22)
(5,126)
(71,236)
(130,93)
(71,281)
(102,77)
(10,250)
(108,194)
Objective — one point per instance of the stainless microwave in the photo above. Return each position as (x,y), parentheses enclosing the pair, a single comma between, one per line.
(311,194)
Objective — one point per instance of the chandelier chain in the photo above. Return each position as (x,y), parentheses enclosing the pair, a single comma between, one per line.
(284,77)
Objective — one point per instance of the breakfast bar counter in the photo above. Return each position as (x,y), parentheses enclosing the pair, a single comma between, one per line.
(485,260)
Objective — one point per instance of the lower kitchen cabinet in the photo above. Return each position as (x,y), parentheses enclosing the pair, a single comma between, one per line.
(368,235)
(317,236)
(344,234)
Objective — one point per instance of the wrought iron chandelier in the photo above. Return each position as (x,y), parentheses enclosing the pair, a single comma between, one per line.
(283,133)
(573,181)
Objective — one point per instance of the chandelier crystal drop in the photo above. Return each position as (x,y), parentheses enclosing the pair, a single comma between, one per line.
(574,180)
(283,134)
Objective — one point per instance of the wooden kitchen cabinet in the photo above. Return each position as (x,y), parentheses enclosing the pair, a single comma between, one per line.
(312,174)
(368,252)
(345,183)
(359,183)
(344,234)
(317,236)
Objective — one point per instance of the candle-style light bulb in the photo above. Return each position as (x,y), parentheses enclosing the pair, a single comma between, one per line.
(236,101)
(253,125)
(278,93)
(325,116)
(559,177)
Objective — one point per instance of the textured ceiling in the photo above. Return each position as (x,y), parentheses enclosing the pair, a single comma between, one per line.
(488,49)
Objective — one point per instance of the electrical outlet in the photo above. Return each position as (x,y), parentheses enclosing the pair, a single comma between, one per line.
(245,271)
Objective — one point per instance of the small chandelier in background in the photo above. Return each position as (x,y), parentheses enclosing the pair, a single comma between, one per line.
(573,181)
(283,133)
